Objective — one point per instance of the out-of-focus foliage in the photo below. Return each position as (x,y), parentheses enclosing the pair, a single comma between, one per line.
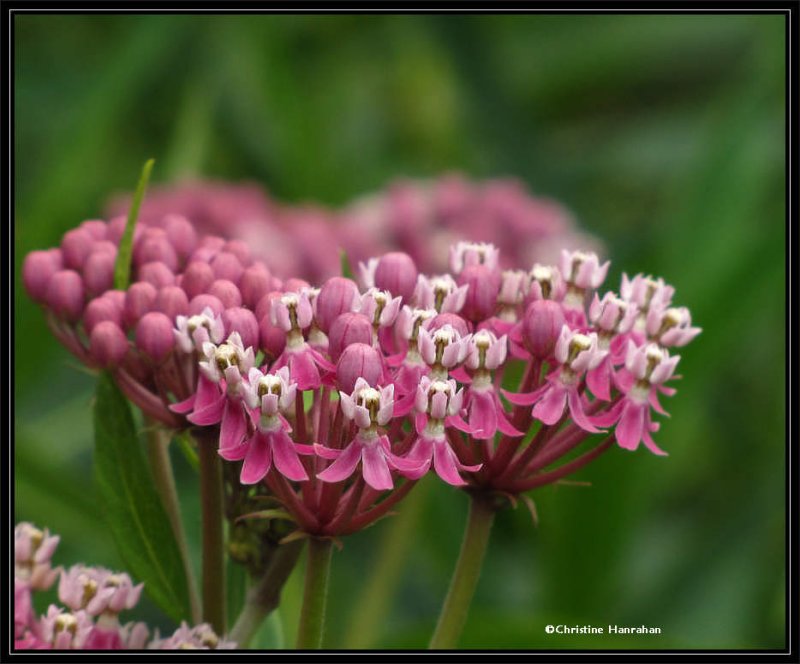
(664,134)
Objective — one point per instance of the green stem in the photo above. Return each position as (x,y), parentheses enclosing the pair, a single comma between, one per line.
(161,467)
(465,577)
(211,497)
(312,615)
(264,597)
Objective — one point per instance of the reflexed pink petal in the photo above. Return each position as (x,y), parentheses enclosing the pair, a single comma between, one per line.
(461,375)
(551,407)
(403,407)
(422,452)
(305,450)
(375,469)
(210,414)
(502,421)
(344,466)
(598,380)
(303,370)
(631,425)
(482,415)
(285,456)
(184,406)
(655,403)
(234,426)
(258,460)
(578,415)
(457,422)
(650,444)
(321,362)
(524,399)
(326,452)
(609,417)
(235,453)
(444,463)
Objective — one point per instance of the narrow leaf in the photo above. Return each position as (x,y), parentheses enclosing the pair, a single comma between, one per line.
(267,514)
(122,268)
(132,507)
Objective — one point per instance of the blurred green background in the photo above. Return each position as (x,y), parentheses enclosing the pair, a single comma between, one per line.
(665,136)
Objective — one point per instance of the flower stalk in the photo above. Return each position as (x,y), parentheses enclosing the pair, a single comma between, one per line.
(315,594)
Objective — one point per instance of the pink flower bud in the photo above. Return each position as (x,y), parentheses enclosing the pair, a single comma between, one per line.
(102,309)
(108,344)
(227,292)
(65,295)
(240,250)
(264,305)
(37,269)
(541,326)
(294,285)
(484,285)
(172,301)
(155,246)
(104,246)
(244,322)
(139,299)
(397,273)
(453,320)
(75,247)
(337,296)
(95,227)
(200,302)
(272,338)
(255,282)
(348,328)
(156,273)
(227,266)
(181,234)
(197,277)
(154,336)
(98,272)
(358,361)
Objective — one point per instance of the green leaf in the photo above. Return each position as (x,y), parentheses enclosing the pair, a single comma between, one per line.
(270,635)
(347,269)
(122,268)
(132,506)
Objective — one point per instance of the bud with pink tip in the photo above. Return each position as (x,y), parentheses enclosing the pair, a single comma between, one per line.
(37,269)
(255,282)
(541,327)
(295,285)
(483,287)
(98,272)
(154,246)
(348,328)
(154,336)
(116,228)
(240,250)
(197,277)
(226,266)
(243,321)
(227,292)
(108,344)
(102,309)
(95,227)
(156,273)
(139,299)
(181,234)
(337,296)
(76,246)
(358,361)
(106,246)
(65,294)
(200,303)
(172,301)
(453,320)
(395,272)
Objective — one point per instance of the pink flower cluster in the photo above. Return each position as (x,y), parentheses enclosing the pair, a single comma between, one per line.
(419,217)
(92,599)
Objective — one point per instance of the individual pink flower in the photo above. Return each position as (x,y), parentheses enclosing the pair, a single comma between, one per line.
(220,401)
(438,405)
(670,326)
(647,368)
(33,550)
(268,396)
(63,630)
(410,365)
(582,270)
(546,283)
(443,349)
(369,408)
(576,353)
(486,412)
(200,637)
(644,292)
(613,318)
(191,332)
(380,307)
(441,293)
(468,254)
(514,286)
